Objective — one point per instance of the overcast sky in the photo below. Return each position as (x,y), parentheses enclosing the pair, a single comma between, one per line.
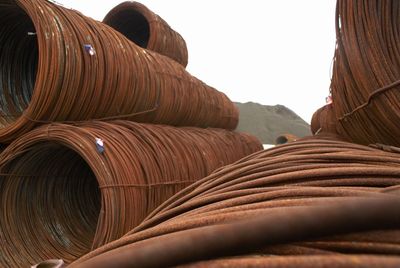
(265,51)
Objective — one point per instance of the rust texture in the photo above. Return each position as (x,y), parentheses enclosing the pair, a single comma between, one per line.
(337,261)
(148,30)
(366,71)
(324,120)
(58,65)
(276,227)
(67,189)
(316,197)
(125,194)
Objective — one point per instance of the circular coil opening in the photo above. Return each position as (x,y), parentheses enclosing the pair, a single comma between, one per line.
(50,205)
(18,61)
(132,24)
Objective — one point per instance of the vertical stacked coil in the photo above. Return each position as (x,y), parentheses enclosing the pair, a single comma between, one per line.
(329,202)
(62,196)
(366,71)
(148,30)
(58,65)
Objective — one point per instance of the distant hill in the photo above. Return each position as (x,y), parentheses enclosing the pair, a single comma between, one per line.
(269,122)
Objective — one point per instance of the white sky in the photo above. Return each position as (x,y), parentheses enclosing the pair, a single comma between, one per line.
(265,51)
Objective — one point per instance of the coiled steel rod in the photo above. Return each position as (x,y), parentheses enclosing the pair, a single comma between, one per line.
(322,261)
(148,30)
(296,176)
(324,121)
(274,228)
(366,71)
(58,65)
(67,189)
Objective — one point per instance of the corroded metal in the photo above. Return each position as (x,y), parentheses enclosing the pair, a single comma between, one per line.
(313,182)
(366,71)
(324,120)
(56,65)
(148,30)
(67,189)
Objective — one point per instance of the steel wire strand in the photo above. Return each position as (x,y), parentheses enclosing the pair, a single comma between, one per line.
(148,30)
(58,65)
(335,153)
(278,155)
(246,236)
(63,193)
(212,215)
(315,261)
(333,170)
(181,226)
(366,71)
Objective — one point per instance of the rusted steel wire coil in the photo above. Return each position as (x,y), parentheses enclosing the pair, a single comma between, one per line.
(148,30)
(366,71)
(58,65)
(67,189)
(277,227)
(335,261)
(289,178)
(324,120)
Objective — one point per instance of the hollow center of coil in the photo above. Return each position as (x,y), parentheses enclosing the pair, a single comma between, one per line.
(18,61)
(281,140)
(50,205)
(133,25)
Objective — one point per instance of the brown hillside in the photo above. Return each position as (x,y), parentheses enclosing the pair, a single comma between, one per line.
(268,122)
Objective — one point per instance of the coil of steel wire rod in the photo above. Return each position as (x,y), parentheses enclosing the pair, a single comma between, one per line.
(202,243)
(66,189)
(366,71)
(58,65)
(148,30)
(322,261)
(288,178)
(324,120)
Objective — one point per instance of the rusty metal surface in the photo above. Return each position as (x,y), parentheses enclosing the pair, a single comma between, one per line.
(324,120)
(248,234)
(366,71)
(148,30)
(58,65)
(116,191)
(336,261)
(50,264)
(286,179)
(63,192)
